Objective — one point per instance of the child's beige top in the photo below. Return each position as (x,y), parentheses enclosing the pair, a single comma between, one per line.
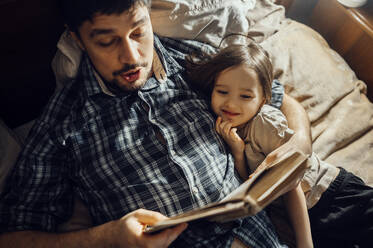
(267,131)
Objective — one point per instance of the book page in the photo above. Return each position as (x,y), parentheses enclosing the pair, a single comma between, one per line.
(242,190)
(263,186)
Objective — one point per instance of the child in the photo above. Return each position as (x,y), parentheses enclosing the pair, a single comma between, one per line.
(238,96)
(238,82)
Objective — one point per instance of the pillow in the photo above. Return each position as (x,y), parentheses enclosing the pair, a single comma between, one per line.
(203,20)
(9,150)
(65,63)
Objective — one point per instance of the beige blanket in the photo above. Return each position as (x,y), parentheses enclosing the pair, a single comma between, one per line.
(340,113)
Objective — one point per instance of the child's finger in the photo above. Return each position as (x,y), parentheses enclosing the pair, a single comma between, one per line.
(217,125)
(227,128)
(218,120)
(234,134)
(222,126)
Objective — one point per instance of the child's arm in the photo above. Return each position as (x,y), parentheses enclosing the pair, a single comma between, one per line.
(297,210)
(298,121)
(294,199)
(237,145)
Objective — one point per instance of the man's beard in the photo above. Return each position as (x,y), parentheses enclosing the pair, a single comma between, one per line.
(116,87)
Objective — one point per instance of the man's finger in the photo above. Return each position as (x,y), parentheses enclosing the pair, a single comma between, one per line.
(175,232)
(166,237)
(148,216)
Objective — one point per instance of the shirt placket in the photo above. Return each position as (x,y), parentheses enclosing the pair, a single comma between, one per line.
(164,138)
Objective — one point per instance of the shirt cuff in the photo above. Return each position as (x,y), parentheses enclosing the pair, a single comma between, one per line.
(278,92)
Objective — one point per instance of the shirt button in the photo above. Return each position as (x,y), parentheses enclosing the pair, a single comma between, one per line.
(195,190)
(145,106)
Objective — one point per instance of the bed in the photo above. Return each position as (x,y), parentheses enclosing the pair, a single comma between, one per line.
(335,99)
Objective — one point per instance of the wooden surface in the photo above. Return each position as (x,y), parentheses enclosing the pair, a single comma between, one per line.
(349,31)
(286,3)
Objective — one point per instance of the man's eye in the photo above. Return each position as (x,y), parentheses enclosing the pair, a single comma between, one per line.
(138,33)
(106,44)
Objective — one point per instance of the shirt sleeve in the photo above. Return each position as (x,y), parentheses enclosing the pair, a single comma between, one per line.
(268,130)
(37,195)
(278,92)
(179,49)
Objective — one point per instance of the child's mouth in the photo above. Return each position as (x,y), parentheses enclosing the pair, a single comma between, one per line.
(229,114)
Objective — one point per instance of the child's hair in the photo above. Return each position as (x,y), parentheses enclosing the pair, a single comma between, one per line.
(203,72)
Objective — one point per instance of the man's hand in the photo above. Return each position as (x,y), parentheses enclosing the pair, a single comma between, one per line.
(128,231)
(125,232)
(229,134)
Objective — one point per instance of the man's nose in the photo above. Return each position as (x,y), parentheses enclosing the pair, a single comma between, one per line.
(128,53)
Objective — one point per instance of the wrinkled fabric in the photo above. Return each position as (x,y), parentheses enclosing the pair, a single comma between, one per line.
(155,148)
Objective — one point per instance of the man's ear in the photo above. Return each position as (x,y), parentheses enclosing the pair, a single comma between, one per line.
(77,40)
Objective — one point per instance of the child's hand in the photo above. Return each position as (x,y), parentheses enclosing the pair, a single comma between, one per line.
(229,134)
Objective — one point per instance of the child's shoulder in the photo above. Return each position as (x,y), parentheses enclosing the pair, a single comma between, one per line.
(269,112)
(270,117)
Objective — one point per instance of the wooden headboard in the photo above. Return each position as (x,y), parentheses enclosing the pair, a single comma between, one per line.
(30,30)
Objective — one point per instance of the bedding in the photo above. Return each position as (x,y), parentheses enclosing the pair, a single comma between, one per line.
(9,149)
(341,115)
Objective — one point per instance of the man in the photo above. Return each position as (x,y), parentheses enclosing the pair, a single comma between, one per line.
(127,135)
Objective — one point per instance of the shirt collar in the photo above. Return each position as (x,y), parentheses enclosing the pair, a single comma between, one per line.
(95,84)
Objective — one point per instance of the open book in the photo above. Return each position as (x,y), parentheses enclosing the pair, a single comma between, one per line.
(264,185)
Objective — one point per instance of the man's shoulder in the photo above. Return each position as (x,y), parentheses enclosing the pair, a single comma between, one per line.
(63,103)
(179,49)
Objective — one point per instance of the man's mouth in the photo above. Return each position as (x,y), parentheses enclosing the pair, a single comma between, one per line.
(131,76)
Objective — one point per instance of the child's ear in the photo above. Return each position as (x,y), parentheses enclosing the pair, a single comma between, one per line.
(264,101)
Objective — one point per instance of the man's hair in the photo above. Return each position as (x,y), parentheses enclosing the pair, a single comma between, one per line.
(203,73)
(75,12)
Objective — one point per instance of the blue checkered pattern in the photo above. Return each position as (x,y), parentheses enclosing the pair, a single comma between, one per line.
(155,148)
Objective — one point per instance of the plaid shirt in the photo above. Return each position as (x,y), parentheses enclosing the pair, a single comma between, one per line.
(155,148)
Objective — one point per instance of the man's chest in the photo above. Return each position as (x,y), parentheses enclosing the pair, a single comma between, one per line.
(133,135)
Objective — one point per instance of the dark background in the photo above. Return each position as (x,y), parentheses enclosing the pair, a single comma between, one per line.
(29,31)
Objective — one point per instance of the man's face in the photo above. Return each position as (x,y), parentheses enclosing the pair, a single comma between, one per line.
(120,47)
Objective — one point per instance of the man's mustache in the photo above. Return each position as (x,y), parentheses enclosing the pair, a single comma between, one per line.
(128,67)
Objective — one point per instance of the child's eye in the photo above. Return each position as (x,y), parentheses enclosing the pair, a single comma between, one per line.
(246,96)
(223,92)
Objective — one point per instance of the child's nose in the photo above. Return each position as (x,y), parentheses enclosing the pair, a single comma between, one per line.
(230,103)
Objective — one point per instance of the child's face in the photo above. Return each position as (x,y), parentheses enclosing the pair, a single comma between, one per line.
(237,95)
